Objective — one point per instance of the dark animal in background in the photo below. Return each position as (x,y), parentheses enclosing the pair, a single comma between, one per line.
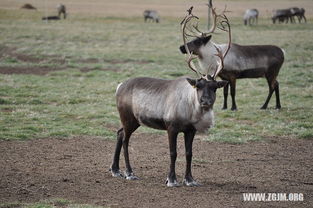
(282,15)
(299,13)
(181,105)
(61,10)
(51,18)
(252,61)
(28,6)
(288,15)
(251,17)
(151,15)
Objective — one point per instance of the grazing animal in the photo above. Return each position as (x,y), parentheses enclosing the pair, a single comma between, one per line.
(251,16)
(28,6)
(299,13)
(251,61)
(181,105)
(302,16)
(282,15)
(152,15)
(61,10)
(51,18)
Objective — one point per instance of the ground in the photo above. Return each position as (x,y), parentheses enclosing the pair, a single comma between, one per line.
(77,169)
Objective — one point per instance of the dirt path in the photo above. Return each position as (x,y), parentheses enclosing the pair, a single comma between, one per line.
(77,169)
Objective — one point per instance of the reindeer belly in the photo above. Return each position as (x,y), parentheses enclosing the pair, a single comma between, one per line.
(244,73)
(155,123)
(251,73)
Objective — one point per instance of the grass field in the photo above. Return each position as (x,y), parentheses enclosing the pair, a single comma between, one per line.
(88,56)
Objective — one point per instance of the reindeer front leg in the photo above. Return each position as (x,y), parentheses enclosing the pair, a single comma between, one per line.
(172,138)
(225,92)
(233,94)
(189,181)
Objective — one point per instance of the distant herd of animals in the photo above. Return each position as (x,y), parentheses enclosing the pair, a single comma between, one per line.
(250,17)
(280,15)
(61,10)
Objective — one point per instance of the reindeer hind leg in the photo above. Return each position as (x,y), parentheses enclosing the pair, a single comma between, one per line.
(271,86)
(129,127)
(115,169)
(278,106)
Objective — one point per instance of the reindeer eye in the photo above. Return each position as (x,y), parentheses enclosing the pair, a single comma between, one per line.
(199,85)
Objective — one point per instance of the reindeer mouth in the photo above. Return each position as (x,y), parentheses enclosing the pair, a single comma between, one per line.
(205,106)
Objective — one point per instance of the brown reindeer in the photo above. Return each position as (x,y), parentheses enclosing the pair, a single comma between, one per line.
(181,105)
(252,61)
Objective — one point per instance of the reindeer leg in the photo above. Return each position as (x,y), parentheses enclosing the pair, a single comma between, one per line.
(172,138)
(129,175)
(270,93)
(189,181)
(278,106)
(233,94)
(225,91)
(115,169)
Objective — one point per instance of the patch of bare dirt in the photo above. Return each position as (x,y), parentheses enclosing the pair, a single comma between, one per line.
(77,169)
(37,70)
(6,52)
(101,69)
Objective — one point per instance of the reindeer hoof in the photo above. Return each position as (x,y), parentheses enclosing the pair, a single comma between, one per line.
(191,183)
(116,173)
(172,184)
(130,176)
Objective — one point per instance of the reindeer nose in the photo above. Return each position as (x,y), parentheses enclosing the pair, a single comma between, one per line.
(205,102)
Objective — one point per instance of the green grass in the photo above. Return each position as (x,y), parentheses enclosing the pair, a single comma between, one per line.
(72,102)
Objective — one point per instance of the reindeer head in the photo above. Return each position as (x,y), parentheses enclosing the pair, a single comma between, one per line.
(206,85)
(201,47)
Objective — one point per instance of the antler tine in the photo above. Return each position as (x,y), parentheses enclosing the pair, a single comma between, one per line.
(189,60)
(221,55)
(214,23)
(229,35)
(220,65)
(213,27)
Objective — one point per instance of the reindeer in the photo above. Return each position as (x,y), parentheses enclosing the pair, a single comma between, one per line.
(282,15)
(251,61)
(51,18)
(299,13)
(181,105)
(251,16)
(151,14)
(61,10)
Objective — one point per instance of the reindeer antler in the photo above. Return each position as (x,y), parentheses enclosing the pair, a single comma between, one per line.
(190,58)
(222,25)
(219,54)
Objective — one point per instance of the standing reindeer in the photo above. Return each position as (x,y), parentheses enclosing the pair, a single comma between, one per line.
(61,10)
(152,15)
(251,16)
(181,105)
(252,61)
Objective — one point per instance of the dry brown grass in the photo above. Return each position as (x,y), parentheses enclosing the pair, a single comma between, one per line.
(168,8)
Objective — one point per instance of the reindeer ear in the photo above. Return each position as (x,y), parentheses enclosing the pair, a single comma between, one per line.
(221,84)
(206,39)
(192,82)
